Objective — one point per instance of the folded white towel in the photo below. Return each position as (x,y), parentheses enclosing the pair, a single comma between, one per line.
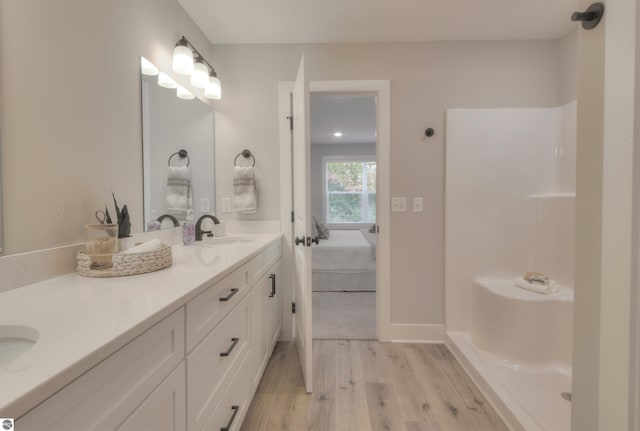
(545,289)
(178,192)
(244,190)
(152,245)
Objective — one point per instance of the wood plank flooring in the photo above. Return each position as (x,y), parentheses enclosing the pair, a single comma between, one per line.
(368,385)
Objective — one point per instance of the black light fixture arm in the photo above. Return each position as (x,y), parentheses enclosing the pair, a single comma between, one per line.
(185,42)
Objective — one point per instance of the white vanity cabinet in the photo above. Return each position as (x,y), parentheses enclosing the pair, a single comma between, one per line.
(127,389)
(212,361)
(195,370)
(266,321)
(219,388)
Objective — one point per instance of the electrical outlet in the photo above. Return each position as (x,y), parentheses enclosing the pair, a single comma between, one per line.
(226,205)
(398,205)
(205,205)
(418,205)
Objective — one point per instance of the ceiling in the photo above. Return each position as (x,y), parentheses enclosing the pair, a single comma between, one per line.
(340,21)
(353,116)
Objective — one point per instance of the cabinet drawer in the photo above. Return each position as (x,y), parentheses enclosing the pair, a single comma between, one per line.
(165,409)
(262,262)
(219,354)
(206,310)
(231,410)
(106,395)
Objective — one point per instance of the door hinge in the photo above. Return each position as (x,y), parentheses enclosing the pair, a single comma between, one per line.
(293,307)
(290,118)
(293,217)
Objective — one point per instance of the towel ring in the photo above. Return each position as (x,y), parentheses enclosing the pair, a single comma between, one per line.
(182,154)
(246,154)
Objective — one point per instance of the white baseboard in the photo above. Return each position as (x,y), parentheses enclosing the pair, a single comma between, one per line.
(416,333)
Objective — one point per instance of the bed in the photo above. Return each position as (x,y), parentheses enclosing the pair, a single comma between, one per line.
(345,262)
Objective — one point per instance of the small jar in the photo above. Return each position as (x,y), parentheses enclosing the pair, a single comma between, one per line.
(101,243)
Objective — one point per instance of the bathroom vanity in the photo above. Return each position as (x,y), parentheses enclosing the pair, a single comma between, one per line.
(179,349)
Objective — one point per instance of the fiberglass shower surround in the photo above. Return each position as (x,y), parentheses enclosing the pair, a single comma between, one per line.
(510,209)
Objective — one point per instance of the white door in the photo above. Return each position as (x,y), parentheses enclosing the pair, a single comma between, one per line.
(302,225)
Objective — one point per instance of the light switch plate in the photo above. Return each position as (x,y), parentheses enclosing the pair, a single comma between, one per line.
(398,205)
(205,205)
(226,205)
(418,205)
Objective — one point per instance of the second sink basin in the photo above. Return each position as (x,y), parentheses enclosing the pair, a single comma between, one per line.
(15,341)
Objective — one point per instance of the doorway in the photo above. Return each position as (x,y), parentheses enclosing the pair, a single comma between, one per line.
(343,165)
(381,90)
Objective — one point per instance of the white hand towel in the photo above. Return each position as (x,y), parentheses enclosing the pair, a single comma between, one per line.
(545,289)
(152,245)
(244,190)
(178,192)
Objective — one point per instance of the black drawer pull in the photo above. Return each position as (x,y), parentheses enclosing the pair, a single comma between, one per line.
(273,285)
(233,416)
(233,345)
(233,292)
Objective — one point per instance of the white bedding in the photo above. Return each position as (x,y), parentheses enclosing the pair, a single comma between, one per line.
(345,251)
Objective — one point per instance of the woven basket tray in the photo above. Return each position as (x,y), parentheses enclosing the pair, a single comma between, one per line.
(121,264)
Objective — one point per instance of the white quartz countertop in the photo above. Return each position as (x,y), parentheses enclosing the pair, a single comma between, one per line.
(83,320)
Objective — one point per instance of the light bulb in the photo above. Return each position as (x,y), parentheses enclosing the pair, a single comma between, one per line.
(213,90)
(166,81)
(182,59)
(183,93)
(147,67)
(200,76)
(337,134)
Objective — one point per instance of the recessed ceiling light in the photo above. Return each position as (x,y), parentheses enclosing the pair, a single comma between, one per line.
(337,134)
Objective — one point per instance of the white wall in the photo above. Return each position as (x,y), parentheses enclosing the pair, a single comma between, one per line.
(318,151)
(567,54)
(426,79)
(508,211)
(70,109)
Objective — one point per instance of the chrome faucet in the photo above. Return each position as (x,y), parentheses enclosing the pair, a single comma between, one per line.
(199,230)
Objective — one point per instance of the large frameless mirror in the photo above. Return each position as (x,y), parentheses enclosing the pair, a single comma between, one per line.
(178,152)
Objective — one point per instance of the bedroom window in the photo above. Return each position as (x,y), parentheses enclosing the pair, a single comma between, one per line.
(350,190)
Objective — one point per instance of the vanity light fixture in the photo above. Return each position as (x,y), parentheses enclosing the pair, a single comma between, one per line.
(200,75)
(213,90)
(148,68)
(166,81)
(203,75)
(183,93)
(183,57)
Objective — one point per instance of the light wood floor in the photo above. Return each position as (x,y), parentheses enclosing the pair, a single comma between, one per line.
(368,385)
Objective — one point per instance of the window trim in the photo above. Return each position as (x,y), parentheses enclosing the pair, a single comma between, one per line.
(325,203)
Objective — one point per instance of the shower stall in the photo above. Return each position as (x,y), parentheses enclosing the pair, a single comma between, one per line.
(510,199)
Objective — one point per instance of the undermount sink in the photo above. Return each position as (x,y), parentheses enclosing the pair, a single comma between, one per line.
(228,240)
(15,341)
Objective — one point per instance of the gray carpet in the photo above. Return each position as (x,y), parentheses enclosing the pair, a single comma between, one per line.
(344,315)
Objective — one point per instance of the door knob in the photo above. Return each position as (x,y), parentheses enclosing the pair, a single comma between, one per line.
(316,240)
(299,240)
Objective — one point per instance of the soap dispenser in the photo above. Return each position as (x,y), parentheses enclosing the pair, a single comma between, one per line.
(154,224)
(189,229)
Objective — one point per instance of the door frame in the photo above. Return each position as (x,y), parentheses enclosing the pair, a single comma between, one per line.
(382,90)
